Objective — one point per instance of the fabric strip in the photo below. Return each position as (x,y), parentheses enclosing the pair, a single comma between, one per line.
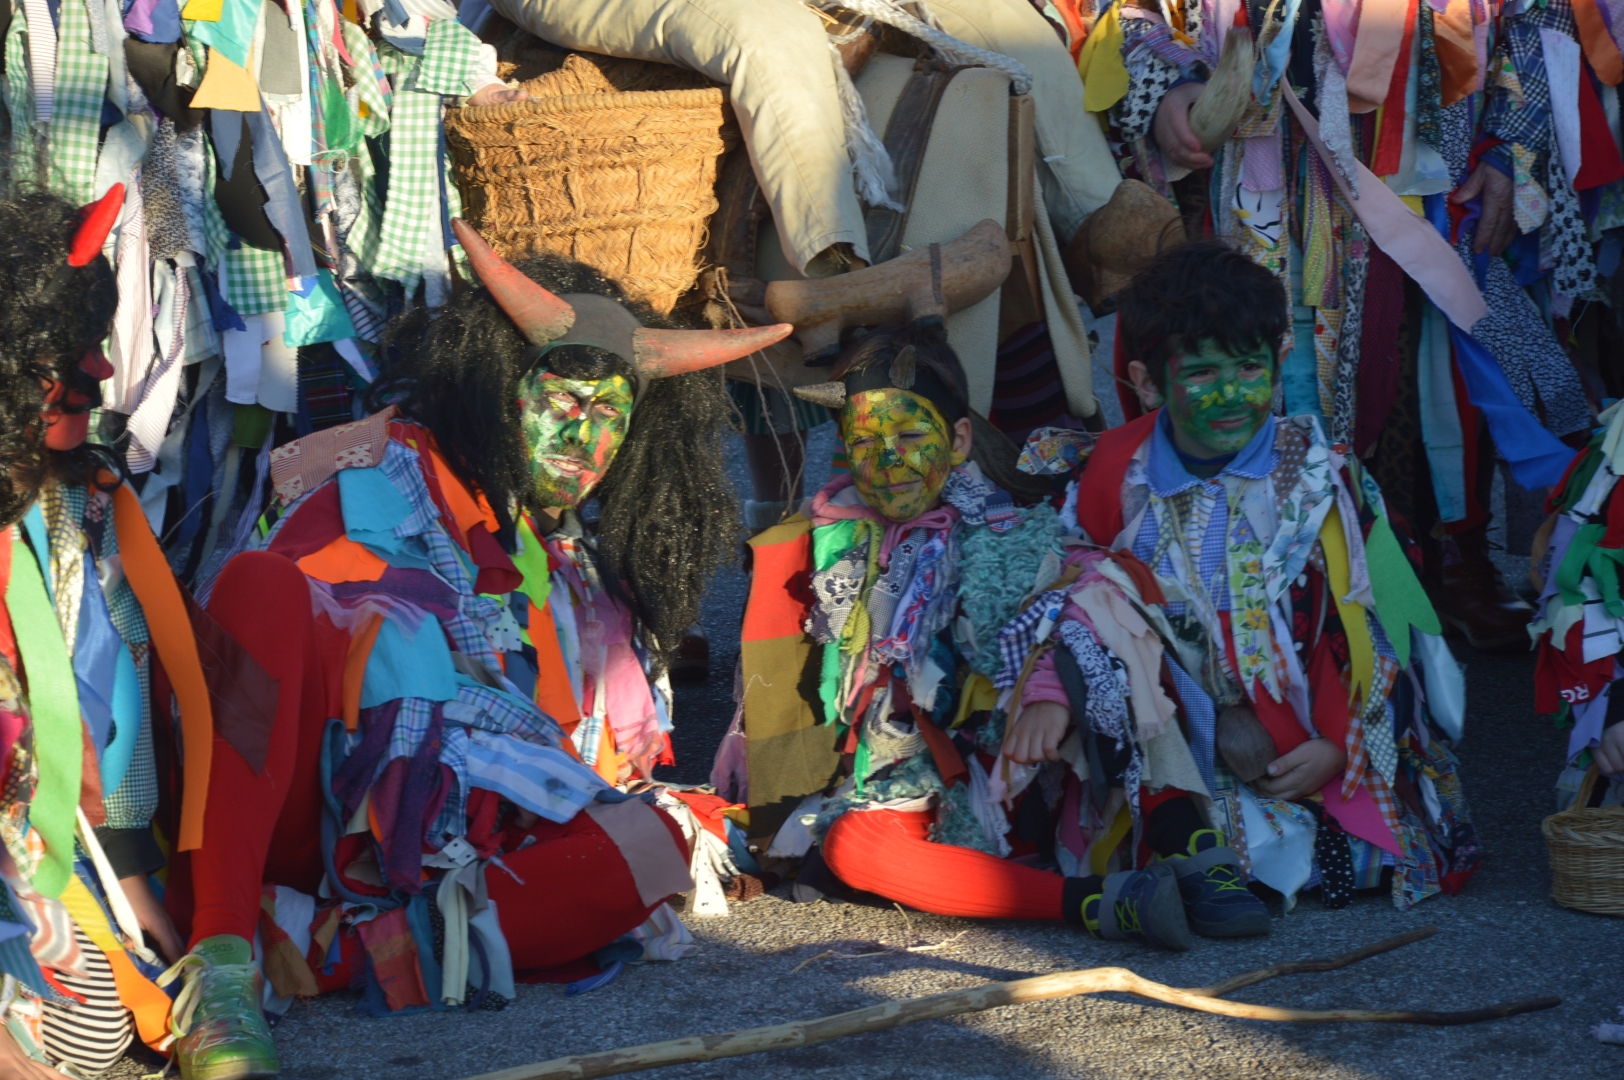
(1425,256)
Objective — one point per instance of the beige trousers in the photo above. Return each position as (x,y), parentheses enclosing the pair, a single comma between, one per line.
(774,56)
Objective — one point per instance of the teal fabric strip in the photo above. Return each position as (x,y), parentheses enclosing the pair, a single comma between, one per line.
(1440,418)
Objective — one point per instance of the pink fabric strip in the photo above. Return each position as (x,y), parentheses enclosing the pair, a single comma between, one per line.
(1341,16)
(1411,242)
(646,844)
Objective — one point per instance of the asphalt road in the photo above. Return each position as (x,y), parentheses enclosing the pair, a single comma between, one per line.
(1502,940)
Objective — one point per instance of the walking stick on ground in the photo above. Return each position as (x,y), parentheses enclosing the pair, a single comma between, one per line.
(1063,984)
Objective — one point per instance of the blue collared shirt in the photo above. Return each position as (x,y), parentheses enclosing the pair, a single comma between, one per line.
(1166,475)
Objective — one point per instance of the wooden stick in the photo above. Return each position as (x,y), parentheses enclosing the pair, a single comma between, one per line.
(1299,967)
(994,995)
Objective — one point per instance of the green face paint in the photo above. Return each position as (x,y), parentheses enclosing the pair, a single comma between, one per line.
(573,429)
(1218,401)
(901,451)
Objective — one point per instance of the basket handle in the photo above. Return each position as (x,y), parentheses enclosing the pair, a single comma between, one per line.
(1587,785)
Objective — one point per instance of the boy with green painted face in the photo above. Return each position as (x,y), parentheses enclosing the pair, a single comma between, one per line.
(1303,659)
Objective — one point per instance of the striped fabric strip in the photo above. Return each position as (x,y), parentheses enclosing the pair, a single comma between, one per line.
(541,779)
(42,58)
(93,1034)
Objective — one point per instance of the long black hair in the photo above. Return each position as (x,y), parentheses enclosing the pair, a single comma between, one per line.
(51,314)
(667,516)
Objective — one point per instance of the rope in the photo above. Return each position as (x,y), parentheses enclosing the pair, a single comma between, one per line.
(947,46)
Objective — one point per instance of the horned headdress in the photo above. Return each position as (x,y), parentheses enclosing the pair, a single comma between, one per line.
(548,321)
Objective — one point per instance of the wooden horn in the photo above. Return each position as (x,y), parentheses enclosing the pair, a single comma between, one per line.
(540,316)
(660,353)
(926,283)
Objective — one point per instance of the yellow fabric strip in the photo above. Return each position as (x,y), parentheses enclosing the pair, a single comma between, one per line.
(1361,651)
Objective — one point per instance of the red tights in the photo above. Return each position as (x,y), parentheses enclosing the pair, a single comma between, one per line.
(886,852)
(578,895)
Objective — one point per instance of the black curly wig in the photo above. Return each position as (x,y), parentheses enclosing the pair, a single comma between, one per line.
(667,515)
(51,314)
(1196,291)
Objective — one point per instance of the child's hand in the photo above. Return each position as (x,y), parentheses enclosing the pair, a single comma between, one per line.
(1610,754)
(1303,771)
(1038,732)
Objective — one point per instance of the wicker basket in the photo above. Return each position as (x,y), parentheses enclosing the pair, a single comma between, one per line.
(1587,854)
(622,180)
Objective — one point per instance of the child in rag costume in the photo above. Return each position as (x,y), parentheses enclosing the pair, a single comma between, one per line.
(1577,553)
(407,769)
(889,596)
(1290,644)
(1490,122)
(77,563)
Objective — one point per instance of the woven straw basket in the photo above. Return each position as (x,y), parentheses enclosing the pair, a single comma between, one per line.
(622,180)
(1587,854)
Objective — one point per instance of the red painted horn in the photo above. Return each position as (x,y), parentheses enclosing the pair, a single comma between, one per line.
(96,220)
(541,316)
(676,352)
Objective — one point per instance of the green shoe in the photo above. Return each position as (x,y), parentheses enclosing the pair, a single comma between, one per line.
(220,1033)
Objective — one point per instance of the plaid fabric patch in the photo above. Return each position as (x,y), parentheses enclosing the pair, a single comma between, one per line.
(254,281)
(1527,121)
(19,97)
(450,58)
(413,213)
(1017,637)
(324,388)
(81,86)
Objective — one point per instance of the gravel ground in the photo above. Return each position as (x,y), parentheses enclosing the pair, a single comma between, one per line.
(1502,940)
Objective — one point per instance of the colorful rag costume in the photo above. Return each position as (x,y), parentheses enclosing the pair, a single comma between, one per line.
(868,659)
(280,183)
(80,788)
(1351,209)
(1581,611)
(381,602)
(1281,583)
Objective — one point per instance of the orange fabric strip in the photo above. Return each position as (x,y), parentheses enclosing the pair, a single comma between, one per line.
(554,696)
(343,560)
(782,558)
(149,1004)
(159,594)
(1377,48)
(609,759)
(355,669)
(1456,49)
(468,509)
(1600,49)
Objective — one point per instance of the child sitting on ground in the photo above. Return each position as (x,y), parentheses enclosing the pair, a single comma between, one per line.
(1292,648)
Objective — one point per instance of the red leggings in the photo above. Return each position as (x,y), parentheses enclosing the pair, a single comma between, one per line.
(579,894)
(886,852)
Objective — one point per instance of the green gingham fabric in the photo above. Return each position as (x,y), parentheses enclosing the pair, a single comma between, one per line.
(19,96)
(81,85)
(255,281)
(370,89)
(416,176)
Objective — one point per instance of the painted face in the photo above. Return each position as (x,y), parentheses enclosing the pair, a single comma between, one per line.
(901,451)
(573,429)
(67,412)
(1218,401)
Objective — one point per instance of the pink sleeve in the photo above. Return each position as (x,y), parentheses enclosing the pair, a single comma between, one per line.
(1044,683)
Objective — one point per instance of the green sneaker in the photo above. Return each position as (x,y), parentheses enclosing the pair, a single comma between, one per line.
(220,1033)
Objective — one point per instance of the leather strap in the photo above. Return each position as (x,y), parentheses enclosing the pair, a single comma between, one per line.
(907,135)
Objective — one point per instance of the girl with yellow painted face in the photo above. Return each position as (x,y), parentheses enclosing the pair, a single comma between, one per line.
(889,595)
